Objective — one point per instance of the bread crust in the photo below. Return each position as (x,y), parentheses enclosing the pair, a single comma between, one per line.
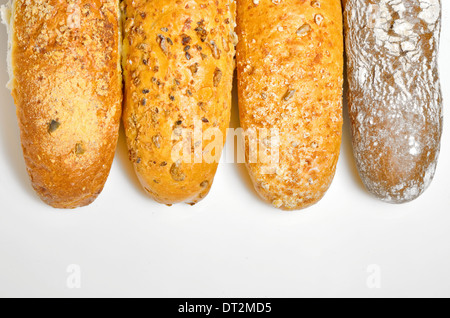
(290,76)
(67,88)
(395,101)
(178,68)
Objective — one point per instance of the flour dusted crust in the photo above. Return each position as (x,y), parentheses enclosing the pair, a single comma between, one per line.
(67,88)
(178,68)
(290,75)
(394,93)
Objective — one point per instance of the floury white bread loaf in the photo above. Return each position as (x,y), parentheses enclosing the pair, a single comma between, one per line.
(290,75)
(178,69)
(395,101)
(64,65)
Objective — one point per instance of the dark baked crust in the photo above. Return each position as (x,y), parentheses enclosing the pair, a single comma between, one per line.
(67,88)
(395,101)
(290,75)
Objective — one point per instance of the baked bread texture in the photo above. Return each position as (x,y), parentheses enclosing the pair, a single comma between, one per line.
(290,77)
(395,101)
(178,68)
(66,83)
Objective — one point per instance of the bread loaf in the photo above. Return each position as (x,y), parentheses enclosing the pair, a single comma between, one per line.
(394,96)
(290,75)
(66,83)
(178,67)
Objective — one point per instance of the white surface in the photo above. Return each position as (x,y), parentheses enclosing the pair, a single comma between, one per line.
(229,245)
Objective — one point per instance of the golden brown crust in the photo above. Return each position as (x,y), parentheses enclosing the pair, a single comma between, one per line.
(290,75)
(67,88)
(178,68)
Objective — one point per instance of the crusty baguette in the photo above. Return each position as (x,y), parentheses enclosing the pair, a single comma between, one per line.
(67,88)
(290,75)
(395,101)
(178,67)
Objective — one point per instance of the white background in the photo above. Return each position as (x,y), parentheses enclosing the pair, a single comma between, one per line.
(231,244)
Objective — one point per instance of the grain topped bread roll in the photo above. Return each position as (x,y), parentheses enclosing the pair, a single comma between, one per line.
(290,75)
(178,68)
(395,101)
(66,83)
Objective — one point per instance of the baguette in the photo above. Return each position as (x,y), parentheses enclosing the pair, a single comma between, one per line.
(394,96)
(290,76)
(66,83)
(178,68)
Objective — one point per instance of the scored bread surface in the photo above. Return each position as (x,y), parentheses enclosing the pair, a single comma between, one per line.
(290,76)
(67,87)
(178,67)
(395,101)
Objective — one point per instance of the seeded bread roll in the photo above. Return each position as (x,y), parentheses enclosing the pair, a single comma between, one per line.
(178,67)
(395,101)
(66,83)
(290,65)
